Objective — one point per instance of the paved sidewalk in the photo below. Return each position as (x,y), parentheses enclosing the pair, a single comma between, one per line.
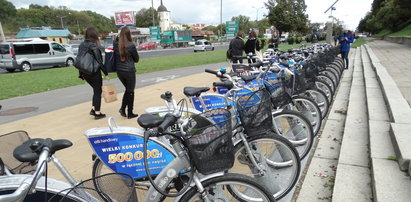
(396,59)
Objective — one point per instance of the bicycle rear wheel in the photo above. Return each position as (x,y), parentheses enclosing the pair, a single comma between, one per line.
(325,88)
(295,128)
(320,99)
(277,158)
(230,187)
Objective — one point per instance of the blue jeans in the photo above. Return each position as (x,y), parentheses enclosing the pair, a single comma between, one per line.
(344,56)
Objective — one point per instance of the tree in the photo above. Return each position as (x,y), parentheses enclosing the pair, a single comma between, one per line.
(288,15)
(7,9)
(144,17)
(244,22)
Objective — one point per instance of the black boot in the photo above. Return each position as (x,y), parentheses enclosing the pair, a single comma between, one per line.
(130,106)
(123,105)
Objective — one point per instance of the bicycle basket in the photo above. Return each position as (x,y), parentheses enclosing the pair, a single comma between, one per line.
(254,109)
(8,142)
(111,187)
(209,141)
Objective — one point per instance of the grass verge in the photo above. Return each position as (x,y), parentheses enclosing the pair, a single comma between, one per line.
(358,42)
(25,83)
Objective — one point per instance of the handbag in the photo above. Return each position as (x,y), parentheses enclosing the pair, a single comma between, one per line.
(110,62)
(86,63)
(109,92)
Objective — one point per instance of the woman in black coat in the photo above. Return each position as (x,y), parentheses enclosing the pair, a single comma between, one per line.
(91,43)
(252,45)
(126,56)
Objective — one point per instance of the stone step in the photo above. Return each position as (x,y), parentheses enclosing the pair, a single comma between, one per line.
(317,185)
(399,113)
(385,186)
(352,181)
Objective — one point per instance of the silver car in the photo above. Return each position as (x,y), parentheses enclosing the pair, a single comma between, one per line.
(203,45)
(26,55)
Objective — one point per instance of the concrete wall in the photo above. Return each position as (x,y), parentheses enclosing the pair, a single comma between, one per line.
(395,39)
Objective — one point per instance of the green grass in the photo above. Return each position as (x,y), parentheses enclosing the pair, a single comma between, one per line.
(384,32)
(25,83)
(404,32)
(358,42)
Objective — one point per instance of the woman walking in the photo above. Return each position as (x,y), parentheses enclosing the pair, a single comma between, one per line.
(126,56)
(91,43)
(252,45)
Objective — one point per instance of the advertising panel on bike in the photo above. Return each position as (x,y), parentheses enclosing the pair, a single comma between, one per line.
(124,153)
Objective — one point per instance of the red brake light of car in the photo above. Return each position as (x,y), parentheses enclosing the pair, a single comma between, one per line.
(214,89)
(12,53)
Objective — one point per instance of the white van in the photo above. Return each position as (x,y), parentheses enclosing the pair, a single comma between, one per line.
(28,54)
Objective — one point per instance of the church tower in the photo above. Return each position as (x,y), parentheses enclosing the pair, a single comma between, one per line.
(164,17)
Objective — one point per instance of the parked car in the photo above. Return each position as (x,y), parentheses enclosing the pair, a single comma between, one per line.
(147,46)
(203,45)
(74,48)
(26,55)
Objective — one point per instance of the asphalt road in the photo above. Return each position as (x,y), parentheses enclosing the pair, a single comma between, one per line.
(162,52)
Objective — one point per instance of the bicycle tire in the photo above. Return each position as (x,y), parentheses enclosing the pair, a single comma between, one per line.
(320,99)
(334,66)
(327,80)
(281,162)
(335,72)
(308,108)
(295,128)
(230,181)
(99,168)
(332,76)
(325,88)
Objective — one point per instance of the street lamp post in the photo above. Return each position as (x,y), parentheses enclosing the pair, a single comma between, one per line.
(61,18)
(221,20)
(256,18)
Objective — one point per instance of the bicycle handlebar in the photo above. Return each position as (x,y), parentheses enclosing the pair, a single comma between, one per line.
(227,84)
(168,121)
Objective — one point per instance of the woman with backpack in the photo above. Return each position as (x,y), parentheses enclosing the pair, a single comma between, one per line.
(126,55)
(91,44)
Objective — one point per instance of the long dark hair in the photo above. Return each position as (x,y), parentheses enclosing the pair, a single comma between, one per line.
(123,40)
(92,35)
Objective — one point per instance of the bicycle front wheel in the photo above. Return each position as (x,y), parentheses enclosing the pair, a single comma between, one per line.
(296,128)
(229,187)
(278,164)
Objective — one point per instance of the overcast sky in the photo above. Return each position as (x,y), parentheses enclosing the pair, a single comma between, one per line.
(208,11)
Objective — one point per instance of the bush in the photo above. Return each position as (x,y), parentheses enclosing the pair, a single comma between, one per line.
(290,40)
(298,39)
(308,38)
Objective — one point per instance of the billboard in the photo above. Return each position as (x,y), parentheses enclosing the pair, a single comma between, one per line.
(124,18)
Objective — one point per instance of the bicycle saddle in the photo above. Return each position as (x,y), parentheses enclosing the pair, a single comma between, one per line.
(149,121)
(29,151)
(248,78)
(193,91)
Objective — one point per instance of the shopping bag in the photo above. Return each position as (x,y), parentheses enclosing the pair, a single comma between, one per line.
(110,62)
(109,92)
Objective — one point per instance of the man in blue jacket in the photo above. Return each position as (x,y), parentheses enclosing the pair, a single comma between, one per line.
(345,39)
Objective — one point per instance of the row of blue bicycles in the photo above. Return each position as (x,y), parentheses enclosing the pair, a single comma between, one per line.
(241,140)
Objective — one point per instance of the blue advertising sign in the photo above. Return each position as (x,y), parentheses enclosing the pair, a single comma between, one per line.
(124,153)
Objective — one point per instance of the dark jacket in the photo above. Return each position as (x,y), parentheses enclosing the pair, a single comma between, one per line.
(128,65)
(345,44)
(251,45)
(236,46)
(89,45)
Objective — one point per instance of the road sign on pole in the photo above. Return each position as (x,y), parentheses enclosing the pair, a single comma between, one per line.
(155,33)
(231,29)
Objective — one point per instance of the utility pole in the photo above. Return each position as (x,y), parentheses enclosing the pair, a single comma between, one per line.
(152,12)
(256,17)
(61,18)
(78,28)
(330,25)
(221,20)
(3,38)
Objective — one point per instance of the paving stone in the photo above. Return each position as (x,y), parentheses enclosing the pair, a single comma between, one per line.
(390,186)
(352,183)
(401,138)
(380,140)
(319,181)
